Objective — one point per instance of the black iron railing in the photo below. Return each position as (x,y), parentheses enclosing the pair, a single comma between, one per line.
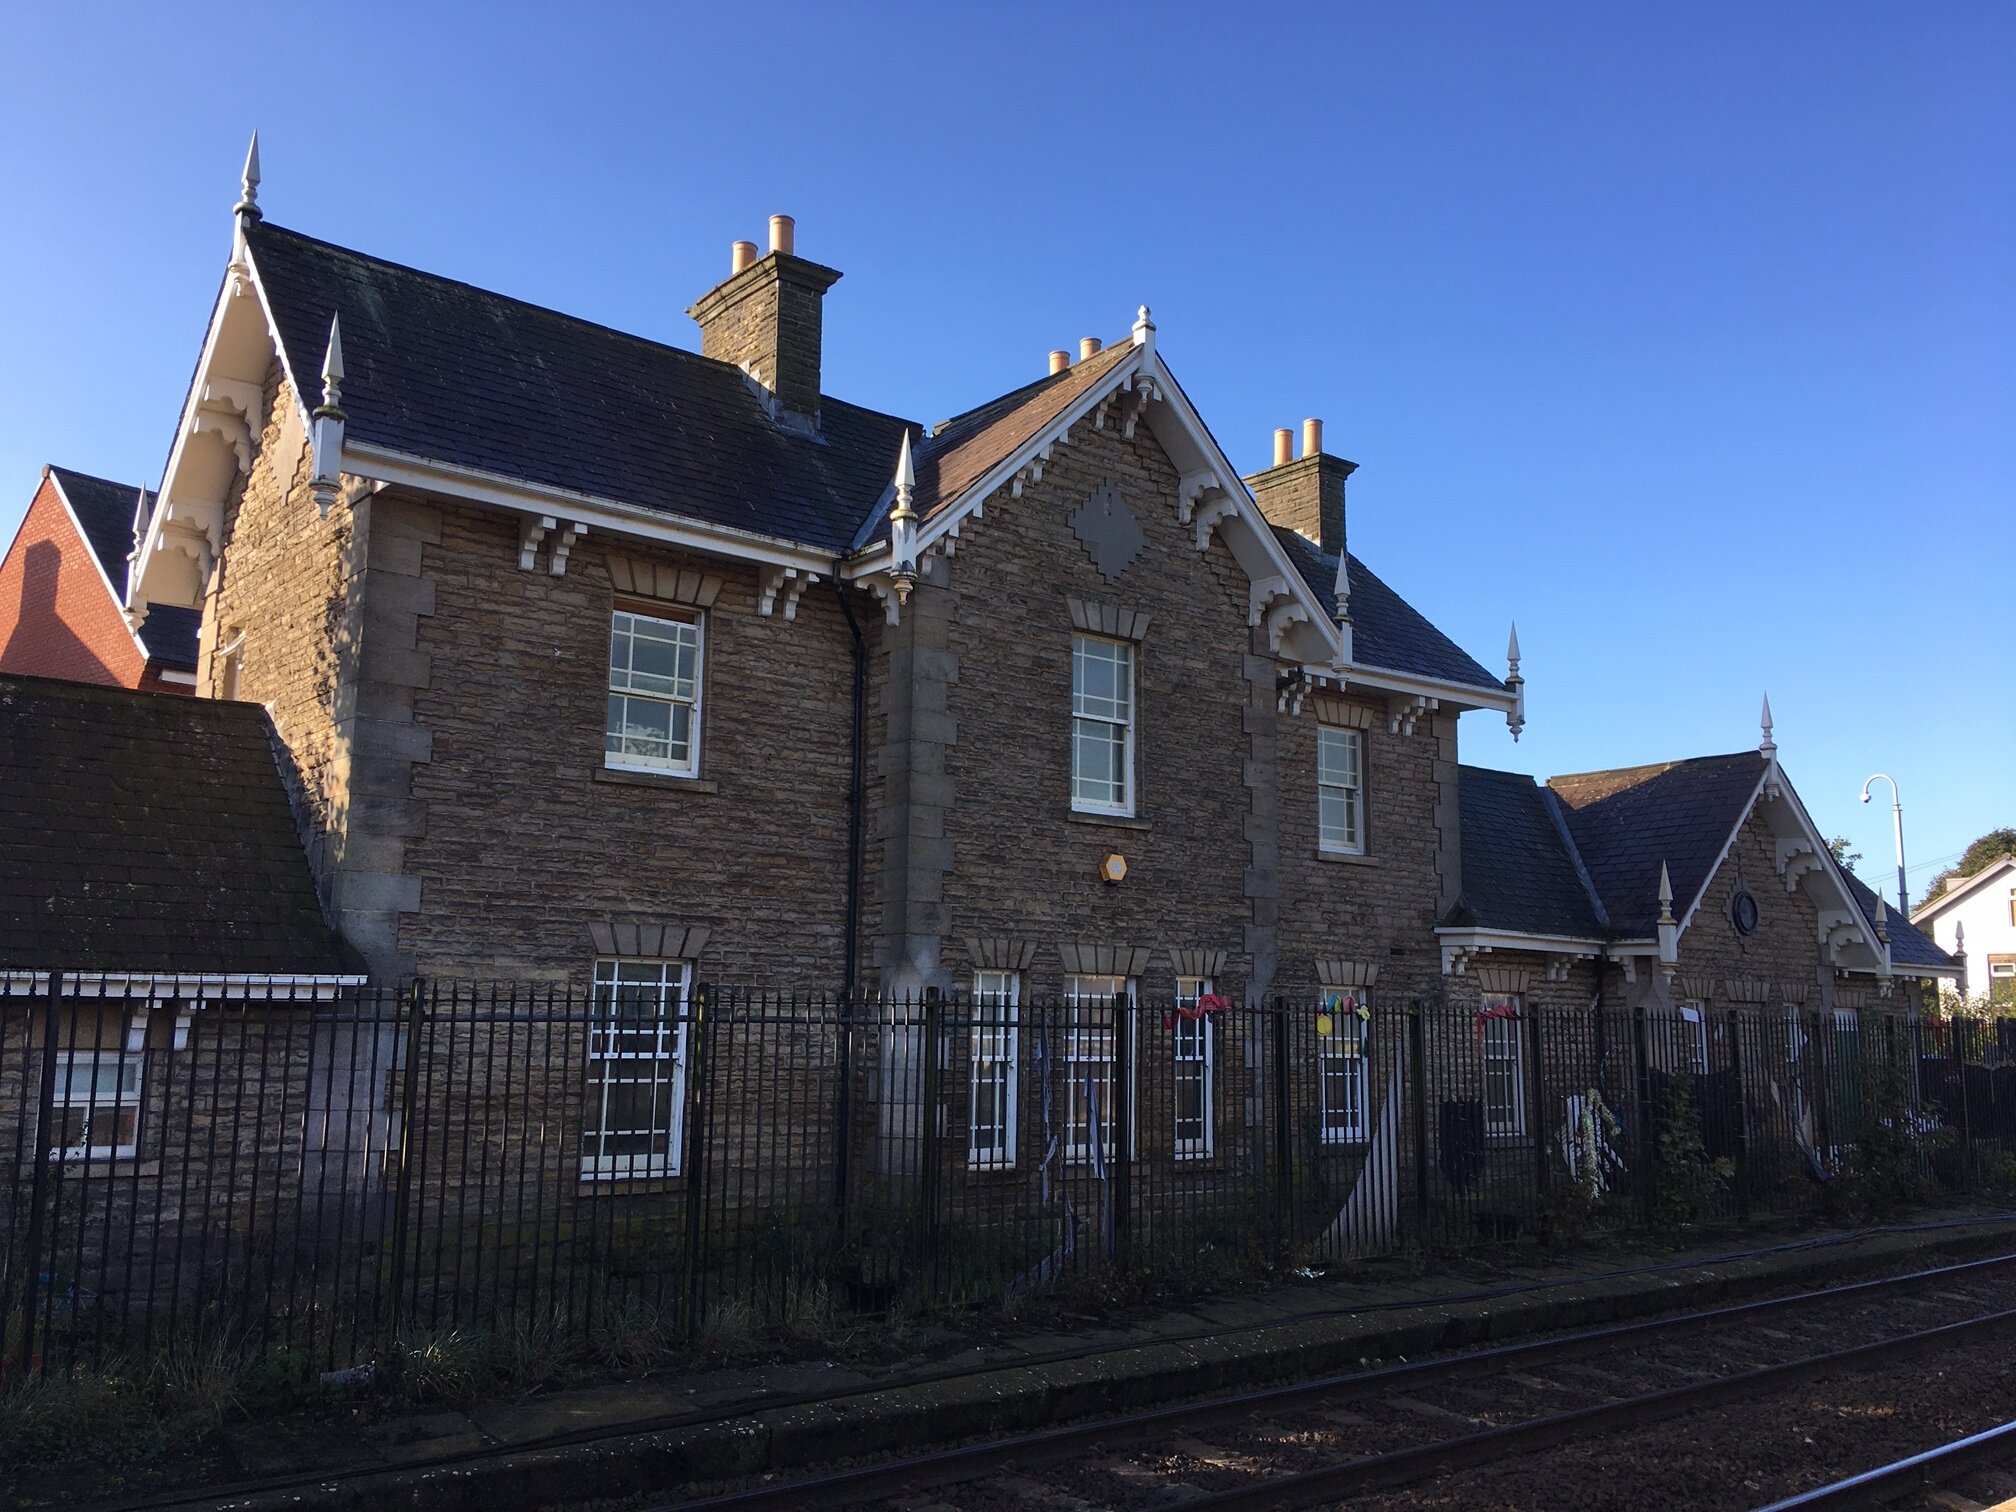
(334,1174)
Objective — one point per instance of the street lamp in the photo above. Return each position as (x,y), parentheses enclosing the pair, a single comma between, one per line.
(1897,823)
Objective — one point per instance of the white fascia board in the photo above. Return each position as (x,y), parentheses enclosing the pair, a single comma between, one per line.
(1910,971)
(181,984)
(1199,434)
(1834,870)
(1812,834)
(1952,895)
(1467,695)
(1003,472)
(362,459)
(184,421)
(1249,509)
(301,405)
(1728,844)
(118,600)
(1546,944)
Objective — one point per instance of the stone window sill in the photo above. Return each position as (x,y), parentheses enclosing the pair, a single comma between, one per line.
(656,780)
(627,1186)
(1345,858)
(1110,821)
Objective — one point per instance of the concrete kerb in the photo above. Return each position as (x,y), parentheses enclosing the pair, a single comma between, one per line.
(1019,1398)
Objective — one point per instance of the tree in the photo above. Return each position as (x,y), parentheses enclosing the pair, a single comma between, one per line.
(1978,857)
(1843,856)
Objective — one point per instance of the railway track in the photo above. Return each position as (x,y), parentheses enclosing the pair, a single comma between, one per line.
(1906,1482)
(1320,1442)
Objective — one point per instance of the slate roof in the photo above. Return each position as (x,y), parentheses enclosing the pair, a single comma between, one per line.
(1626,822)
(1581,854)
(105,510)
(170,635)
(962,450)
(1909,945)
(1519,873)
(442,370)
(148,832)
(1386,630)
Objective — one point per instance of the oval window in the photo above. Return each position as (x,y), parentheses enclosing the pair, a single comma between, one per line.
(1743,911)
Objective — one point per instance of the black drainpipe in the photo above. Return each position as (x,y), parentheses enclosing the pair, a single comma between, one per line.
(844,1112)
(856,740)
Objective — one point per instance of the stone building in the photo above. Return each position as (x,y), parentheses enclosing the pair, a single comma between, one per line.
(604,664)
(590,651)
(150,866)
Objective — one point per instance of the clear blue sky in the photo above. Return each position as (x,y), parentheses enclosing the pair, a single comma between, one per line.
(1686,334)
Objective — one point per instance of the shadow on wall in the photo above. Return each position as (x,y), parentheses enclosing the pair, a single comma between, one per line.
(41,645)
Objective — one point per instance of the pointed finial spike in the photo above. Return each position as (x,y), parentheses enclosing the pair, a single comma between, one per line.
(906,472)
(332,360)
(1767,745)
(248,195)
(1512,645)
(1665,885)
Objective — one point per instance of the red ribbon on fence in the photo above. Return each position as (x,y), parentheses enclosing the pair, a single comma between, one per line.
(1210,1002)
(1495,1011)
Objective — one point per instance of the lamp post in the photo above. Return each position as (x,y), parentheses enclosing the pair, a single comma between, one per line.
(1897,824)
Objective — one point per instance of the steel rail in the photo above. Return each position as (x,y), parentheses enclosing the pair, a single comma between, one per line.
(1918,1472)
(966,1461)
(1404,1466)
(168,1498)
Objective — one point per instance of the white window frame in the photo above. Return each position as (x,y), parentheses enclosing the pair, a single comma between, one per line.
(616,761)
(663,1045)
(1200,1052)
(994,1061)
(1092,1027)
(1340,754)
(124,1103)
(1344,1049)
(1504,1045)
(1080,803)
(1695,1014)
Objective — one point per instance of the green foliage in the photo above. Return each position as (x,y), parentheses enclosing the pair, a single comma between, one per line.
(1892,1152)
(1684,1180)
(1979,856)
(1842,855)
(122,1411)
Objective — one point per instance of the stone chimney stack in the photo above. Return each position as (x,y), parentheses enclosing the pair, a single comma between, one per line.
(766,318)
(1305,493)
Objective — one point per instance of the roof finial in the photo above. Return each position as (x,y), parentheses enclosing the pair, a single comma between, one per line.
(248,194)
(332,365)
(1882,919)
(1669,927)
(1144,331)
(329,418)
(903,526)
(1515,717)
(1767,745)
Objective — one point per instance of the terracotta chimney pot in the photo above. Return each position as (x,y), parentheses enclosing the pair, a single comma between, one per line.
(1284,446)
(1059,360)
(740,256)
(783,234)
(1088,346)
(1312,438)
